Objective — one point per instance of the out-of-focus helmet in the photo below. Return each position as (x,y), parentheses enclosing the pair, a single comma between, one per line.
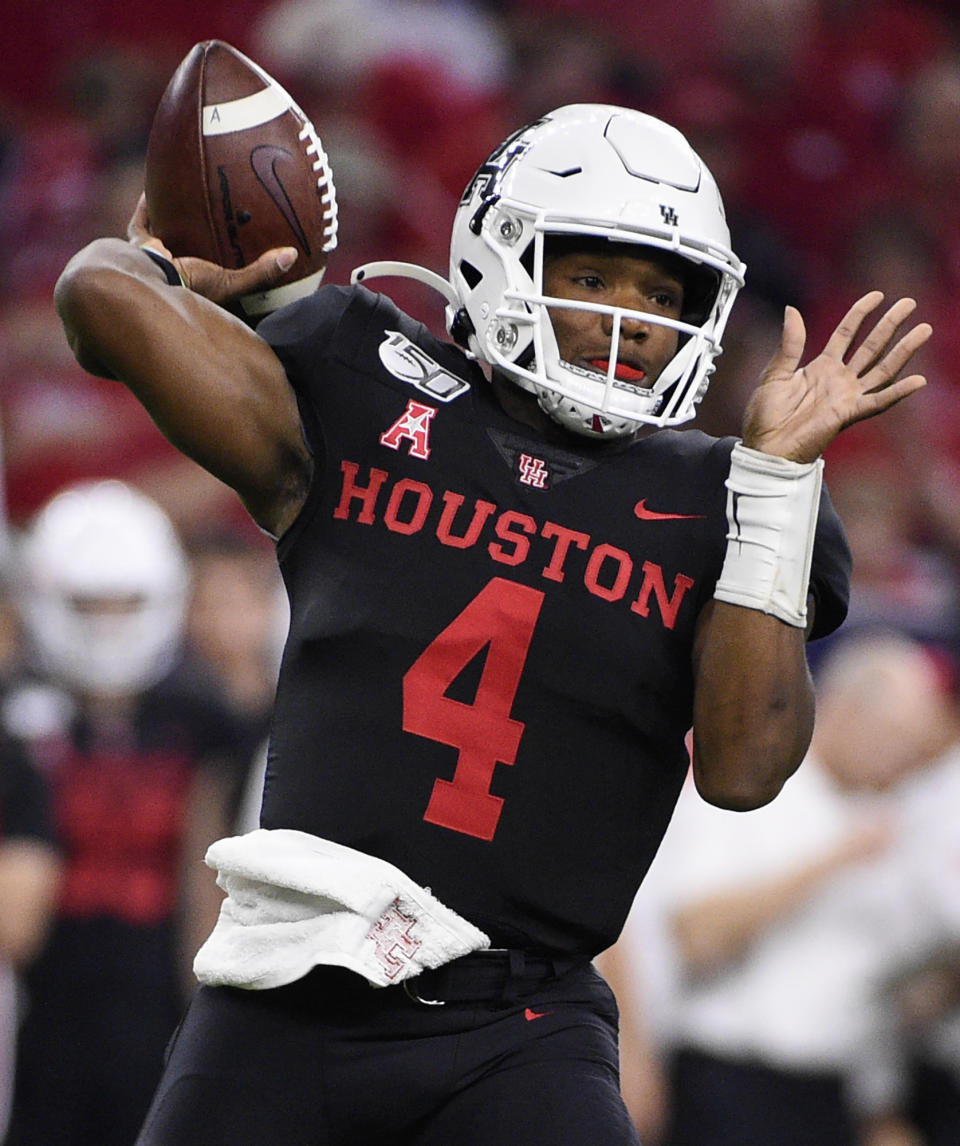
(105,588)
(600,172)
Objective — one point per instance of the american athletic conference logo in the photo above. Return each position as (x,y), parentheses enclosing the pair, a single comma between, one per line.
(413,426)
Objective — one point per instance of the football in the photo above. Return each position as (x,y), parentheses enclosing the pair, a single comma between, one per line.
(233,167)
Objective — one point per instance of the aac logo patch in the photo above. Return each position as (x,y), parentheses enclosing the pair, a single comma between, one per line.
(412,426)
(406,361)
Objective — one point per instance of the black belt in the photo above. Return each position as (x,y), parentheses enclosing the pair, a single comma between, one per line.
(485,975)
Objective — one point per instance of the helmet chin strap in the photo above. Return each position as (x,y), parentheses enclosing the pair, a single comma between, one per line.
(389,269)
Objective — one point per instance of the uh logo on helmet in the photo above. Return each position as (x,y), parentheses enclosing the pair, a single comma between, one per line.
(104,592)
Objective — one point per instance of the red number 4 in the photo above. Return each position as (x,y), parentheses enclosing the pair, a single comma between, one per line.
(500,619)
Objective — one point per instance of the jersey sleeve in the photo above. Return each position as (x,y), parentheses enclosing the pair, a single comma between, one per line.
(330,327)
(302,336)
(830,571)
(328,331)
(306,328)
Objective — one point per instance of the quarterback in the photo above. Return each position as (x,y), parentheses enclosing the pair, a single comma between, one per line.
(515,586)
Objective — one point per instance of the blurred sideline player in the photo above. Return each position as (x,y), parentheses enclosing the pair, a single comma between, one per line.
(105,585)
(29,876)
(511,596)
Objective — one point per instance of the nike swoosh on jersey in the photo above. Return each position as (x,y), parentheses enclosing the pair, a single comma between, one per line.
(264,160)
(531,1015)
(641,511)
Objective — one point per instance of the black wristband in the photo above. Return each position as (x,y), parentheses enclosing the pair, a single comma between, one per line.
(173,275)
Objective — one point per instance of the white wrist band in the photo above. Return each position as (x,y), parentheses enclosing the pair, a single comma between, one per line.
(772,506)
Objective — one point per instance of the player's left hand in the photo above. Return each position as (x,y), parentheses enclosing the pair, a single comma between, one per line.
(796,411)
(217,283)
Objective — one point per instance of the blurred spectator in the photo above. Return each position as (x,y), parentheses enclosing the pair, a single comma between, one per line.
(714,115)
(928,166)
(118,731)
(672,42)
(643,1074)
(765,941)
(55,159)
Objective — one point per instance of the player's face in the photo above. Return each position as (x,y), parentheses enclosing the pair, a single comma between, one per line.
(615,277)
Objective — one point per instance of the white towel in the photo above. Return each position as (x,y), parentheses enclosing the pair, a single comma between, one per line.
(295,901)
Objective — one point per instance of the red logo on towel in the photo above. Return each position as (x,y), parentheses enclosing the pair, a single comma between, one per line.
(394,945)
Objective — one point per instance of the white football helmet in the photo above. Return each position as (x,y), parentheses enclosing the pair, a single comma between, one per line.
(105,588)
(600,172)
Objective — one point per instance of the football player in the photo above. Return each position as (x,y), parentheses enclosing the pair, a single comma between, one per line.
(121,728)
(515,586)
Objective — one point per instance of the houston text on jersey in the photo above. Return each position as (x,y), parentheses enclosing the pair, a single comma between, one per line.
(407,506)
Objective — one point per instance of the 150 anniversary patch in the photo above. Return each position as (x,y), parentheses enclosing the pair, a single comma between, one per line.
(406,361)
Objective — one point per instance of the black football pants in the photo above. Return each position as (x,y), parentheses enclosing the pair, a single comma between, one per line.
(511,1057)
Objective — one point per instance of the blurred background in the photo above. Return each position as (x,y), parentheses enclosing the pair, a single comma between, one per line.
(833,129)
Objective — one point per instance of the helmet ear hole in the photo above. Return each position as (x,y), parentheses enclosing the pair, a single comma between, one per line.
(470,273)
(461,328)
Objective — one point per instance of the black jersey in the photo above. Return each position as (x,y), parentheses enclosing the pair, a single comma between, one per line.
(488,677)
(24,795)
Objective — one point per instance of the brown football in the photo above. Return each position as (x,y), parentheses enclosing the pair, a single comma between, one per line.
(234,167)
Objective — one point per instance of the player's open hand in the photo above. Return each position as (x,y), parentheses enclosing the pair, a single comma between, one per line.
(796,411)
(219,284)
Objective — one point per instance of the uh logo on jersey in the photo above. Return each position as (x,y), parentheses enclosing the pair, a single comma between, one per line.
(408,362)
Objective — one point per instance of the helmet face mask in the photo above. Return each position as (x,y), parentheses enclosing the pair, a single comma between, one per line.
(596,173)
